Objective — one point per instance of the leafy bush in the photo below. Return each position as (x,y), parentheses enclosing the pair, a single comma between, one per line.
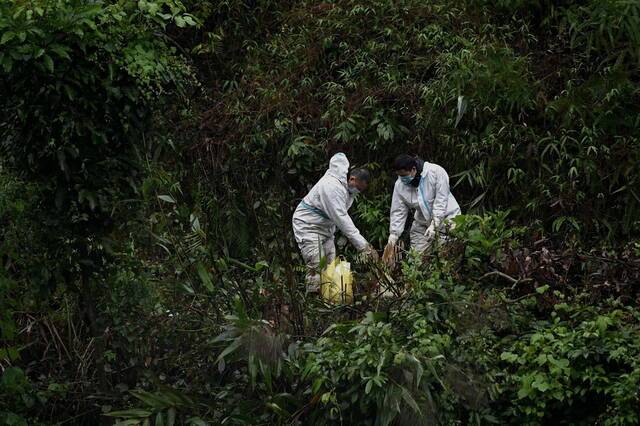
(486,238)
(93,75)
(80,85)
(581,364)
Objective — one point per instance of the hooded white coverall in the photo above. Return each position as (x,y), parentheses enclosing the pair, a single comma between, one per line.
(432,201)
(319,213)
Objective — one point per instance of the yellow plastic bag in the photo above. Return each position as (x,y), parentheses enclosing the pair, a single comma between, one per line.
(337,282)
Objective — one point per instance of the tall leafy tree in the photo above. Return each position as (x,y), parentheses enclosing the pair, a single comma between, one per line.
(80,84)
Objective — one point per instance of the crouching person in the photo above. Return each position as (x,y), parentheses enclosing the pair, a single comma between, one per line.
(424,188)
(323,210)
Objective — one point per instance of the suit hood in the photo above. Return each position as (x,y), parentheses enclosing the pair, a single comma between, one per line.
(339,167)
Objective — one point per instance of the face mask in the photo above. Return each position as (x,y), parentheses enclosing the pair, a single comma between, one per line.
(353,190)
(407,179)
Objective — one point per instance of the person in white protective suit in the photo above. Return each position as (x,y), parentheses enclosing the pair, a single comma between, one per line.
(423,187)
(323,210)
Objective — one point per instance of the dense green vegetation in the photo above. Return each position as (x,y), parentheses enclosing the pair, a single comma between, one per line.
(152,154)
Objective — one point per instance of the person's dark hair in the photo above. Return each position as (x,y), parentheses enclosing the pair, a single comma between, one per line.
(360,174)
(404,162)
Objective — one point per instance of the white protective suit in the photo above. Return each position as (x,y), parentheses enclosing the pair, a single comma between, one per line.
(319,213)
(432,201)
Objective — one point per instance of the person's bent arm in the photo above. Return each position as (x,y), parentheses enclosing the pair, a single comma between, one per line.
(334,204)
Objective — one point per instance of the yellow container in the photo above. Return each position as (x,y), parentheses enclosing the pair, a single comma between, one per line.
(337,282)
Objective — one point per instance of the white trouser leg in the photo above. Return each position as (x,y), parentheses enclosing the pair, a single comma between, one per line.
(312,253)
(419,242)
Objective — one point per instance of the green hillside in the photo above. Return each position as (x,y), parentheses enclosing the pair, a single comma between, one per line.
(152,154)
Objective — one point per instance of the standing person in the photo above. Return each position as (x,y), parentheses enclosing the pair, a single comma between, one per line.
(325,208)
(423,187)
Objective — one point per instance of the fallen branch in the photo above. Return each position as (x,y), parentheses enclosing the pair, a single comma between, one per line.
(514,281)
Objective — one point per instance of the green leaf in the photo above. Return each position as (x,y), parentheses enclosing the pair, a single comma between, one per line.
(278,410)
(542,289)
(229,349)
(133,413)
(167,198)
(7,63)
(259,266)
(129,422)
(8,36)
(197,421)
(542,386)
(205,277)
(508,356)
(189,20)
(9,353)
(157,402)
(317,384)
(61,51)
(13,380)
(48,62)
(406,396)
(524,392)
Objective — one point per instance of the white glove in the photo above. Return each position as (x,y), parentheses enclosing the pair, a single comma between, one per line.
(372,254)
(431,231)
(368,254)
(433,228)
(393,239)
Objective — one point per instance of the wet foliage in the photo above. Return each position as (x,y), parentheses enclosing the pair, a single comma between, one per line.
(152,154)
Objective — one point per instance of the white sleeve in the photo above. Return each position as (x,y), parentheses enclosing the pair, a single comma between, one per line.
(426,192)
(399,214)
(333,200)
(441,199)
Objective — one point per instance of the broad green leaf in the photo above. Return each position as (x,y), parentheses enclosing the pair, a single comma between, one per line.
(508,356)
(367,388)
(152,400)
(60,51)
(7,63)
(129,422)
(411,402)
(48,62)
(8,36)
(197,421)
(205,277)
(133,413)
(167,198)
(542,289)
(229,349)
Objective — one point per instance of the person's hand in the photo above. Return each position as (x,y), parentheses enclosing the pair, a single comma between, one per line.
(431,231)
(368,254)
(372,254)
